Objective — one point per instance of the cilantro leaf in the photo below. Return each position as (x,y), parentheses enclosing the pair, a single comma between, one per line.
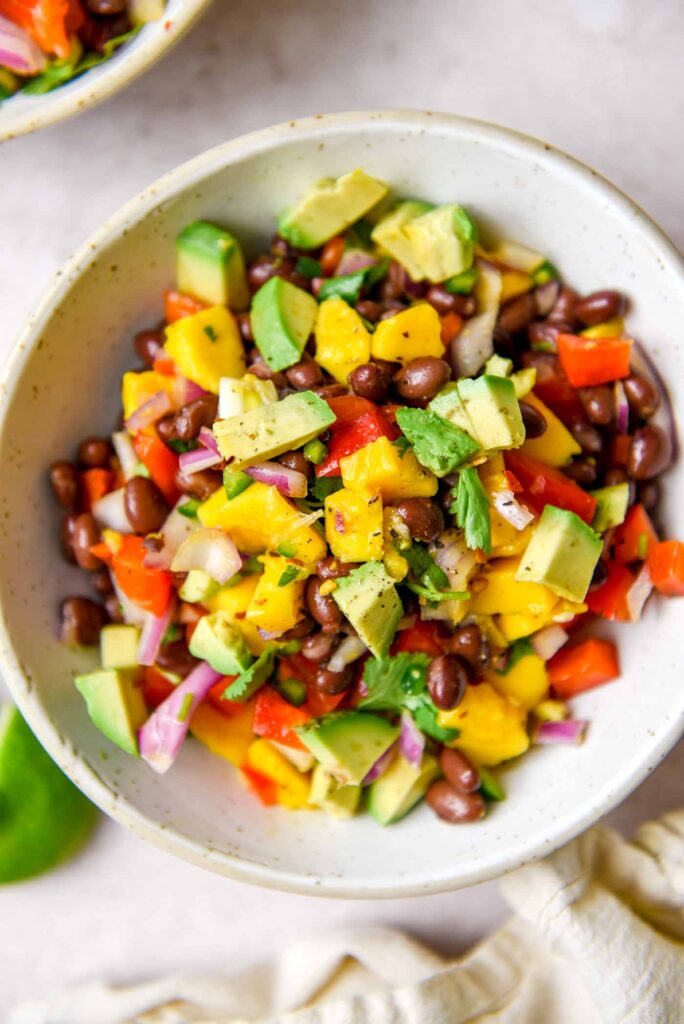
(438,445)
(393,680)
(425,715)
(323,486)
(423,566)
(347,287)
(308,267)
(518,650)
(402,444)
(435,596)
(254,677)
(471,509)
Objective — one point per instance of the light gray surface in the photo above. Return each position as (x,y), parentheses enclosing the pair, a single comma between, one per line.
(600,78)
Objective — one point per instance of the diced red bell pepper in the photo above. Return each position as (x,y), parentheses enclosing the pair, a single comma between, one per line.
(451,327)
(331,255)
(48,22)
(262,787)
(149,589)
(164,365)
(95,483)
(582,667)
(358,423)
(155,688)
(424,637)
(275,718)
(546,485)
(634,538)
(610,599)
(178,305)
(160,462)
(513,482)
(296,666)
(619,449)
(666,566)
(554,389)
(591,361)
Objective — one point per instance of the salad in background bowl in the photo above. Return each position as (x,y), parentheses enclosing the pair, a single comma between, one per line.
(61,56)
(63,385)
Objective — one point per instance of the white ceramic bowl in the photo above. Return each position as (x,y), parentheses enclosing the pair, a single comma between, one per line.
(22,114)
(63,383)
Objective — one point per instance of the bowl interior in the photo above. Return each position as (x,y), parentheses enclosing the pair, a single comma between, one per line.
(24,113)
(64,384)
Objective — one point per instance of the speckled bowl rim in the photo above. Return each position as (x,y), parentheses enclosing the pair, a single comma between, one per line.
(154,40)
(166,188)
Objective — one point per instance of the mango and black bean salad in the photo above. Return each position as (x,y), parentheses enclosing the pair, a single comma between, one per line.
(369,492)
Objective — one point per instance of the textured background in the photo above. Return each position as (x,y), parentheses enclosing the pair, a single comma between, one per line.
(602,79)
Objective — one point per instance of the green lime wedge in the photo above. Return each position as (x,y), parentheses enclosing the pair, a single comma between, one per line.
(44,818)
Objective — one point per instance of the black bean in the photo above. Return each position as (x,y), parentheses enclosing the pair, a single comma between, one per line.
(469,643)
(95,453)
(102,582)
(322,607)
(614,475)
(421,379)
(588,437)
(105,8)
(451,805)
(245,324)
(598,403)
(423,518)
(175,657)
(113,608)
(543,335)
(86,534)
(166,428)
(197,414)
(643,398)
(563,311)
(66,537)
(64,480)
(334,682)
(458,770)
(200,485)
(599,576)
(535,424)
(649,453)
(145,505)
(441,300)
(304,375)
(583,471)
(649,494)
(371,381)
(319,646)
(148,344)
(516,314)
(447,681)
(82,621)
(330,569)
(295,460)
(600,306)
(369,310)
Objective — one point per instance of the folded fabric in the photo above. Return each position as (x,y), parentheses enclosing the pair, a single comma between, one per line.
(598,938)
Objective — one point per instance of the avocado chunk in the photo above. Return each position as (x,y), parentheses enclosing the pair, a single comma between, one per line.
(119,646)
(498,366)
(45,818)
(115,705)
(327,794)
(438,445)
(442,242)
(270,430)
(218,641)
(562,554)
(611,506)
(330,207)
(198,586)
(348,743)
(449,405)
(369,599)
(390,236)
(210,266)
(492,407)
(400,788)
(282,318)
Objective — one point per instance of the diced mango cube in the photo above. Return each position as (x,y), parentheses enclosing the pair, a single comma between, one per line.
(293,786)
(514,282)
(492,728)
(353,526)
(138,388)
(411,333)
(395,563)
(229,737)
(556,446)
(206,346)
(261,518)
(278,600)
(342,341)
(234,601)
(496,591)
(614,328)
(527,682)
(380,468)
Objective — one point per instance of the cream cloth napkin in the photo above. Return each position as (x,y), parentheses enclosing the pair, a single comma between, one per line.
(598,938)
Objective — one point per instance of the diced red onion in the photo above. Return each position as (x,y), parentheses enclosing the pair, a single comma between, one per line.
(207,439)
(269,635)
(570,730)
(350,650)
(149,412)
(411,740)
(548,641)
(288,481)
(125,453)
(381,765)
(152,636)
(212,551)
(185,390)
(354,260)
(510,509)
(316,284)
(546,296)
(638,593)
(454,557)
(161,737)
(18,51)
(621,408)
(471,349)
(110,512)
(197,460)
(175,530)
